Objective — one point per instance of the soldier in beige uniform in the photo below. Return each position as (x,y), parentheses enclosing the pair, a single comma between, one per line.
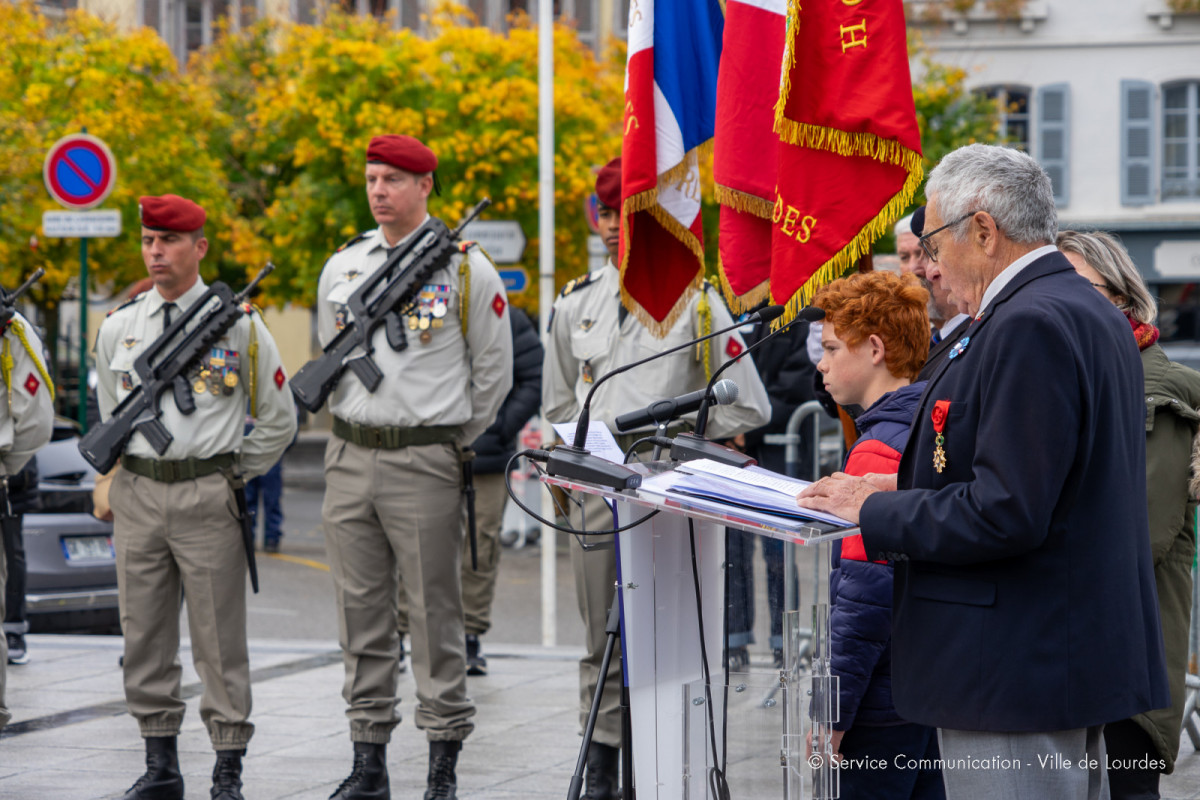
(176,525)
(590,335)
(393,498)
(26,422)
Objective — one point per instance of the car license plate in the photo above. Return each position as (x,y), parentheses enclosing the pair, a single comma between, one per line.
(87,548)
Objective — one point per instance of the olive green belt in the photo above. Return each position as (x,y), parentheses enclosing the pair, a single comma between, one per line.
(391,437)
(174,471)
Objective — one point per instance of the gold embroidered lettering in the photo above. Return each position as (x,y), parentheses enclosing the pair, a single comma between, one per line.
(853,40)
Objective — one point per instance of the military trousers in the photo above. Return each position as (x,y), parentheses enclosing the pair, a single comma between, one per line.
(478,585)
(595,588)
(182,542)
(390,513)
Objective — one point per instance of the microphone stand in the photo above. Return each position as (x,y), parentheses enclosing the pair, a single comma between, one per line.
(575,462)
(691,446)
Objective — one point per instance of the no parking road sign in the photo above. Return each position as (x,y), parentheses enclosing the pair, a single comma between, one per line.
(80,171)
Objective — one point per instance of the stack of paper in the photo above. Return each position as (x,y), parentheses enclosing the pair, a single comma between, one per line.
(752,488)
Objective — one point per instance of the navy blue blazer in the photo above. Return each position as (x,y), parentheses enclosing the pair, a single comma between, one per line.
(1025,600)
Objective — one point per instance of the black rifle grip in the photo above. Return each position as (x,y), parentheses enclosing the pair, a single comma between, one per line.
(394,327)
(183,395)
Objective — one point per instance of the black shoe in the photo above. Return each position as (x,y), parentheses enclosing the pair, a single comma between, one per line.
(369,777)
(162,780)
(402,663)
(227,775)
(442,783)
(476,663)
(777,657)
(602,764)
(16,648)
(271,546)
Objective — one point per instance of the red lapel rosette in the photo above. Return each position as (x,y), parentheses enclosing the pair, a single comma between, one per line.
(941,409)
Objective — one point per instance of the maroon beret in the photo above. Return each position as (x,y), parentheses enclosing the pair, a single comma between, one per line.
(170,213)
(402,152)
(608,183)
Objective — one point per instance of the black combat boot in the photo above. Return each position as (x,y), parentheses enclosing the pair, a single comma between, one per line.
(476,663)
(442,783)
(227,775)
(162,780)
(369,777)
(602,764)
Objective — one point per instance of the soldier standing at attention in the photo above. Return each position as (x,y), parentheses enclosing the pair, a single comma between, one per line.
(176,524)
(393,497)
(26,422)
(591,334)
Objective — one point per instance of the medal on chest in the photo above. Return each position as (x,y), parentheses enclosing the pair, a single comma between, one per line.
(217,373)
(941,410)
(588,375)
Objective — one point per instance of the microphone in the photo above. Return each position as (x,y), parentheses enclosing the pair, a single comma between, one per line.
(722,393)
(574,461)
(689,446)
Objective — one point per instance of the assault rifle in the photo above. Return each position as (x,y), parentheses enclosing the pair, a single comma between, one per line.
(401,277)
(8,300)
(164,365)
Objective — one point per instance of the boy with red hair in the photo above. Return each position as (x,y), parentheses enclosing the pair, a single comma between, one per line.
(874,342)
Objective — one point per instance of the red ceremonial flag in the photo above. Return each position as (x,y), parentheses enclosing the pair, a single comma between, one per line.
(746,147)
(849,151)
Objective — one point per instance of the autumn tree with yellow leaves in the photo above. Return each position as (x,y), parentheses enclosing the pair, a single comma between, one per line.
(60,75)
(302,102)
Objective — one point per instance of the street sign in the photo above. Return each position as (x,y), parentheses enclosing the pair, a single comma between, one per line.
(515,280)
(80,171)
(502,238)
(81,224)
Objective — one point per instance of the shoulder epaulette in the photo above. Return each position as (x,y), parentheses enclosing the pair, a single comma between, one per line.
(467,244)
(353,241)
(136,298)
(577,283)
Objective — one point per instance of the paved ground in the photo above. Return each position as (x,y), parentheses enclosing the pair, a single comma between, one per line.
(71,738)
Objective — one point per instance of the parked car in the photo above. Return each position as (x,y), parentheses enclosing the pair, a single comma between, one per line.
(71,584)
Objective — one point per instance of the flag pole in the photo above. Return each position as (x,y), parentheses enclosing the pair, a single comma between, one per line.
(546,290)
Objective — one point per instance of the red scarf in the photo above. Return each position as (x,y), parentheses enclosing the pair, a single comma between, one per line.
(1145,333)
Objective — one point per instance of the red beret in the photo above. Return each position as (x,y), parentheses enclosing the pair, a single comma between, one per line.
(402,152)
(608,183)
(170,213)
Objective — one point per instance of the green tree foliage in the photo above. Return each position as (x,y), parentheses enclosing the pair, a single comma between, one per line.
(59,76)
(302,102)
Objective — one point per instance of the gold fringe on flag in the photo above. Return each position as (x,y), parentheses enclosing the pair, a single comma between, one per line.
(744,202)
(648,201)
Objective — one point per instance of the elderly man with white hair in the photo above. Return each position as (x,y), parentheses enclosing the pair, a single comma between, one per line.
(1024,609)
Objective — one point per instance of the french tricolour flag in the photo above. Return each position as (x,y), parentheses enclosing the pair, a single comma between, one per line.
(670,110)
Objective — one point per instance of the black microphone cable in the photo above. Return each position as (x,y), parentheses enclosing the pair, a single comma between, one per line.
(534,457)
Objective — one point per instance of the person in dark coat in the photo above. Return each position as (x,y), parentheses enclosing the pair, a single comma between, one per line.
(1025,615)
(493,449)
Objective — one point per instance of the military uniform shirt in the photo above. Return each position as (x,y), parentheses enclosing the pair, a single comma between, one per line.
(440,378)
(26,411)
(588,340)
(217,424)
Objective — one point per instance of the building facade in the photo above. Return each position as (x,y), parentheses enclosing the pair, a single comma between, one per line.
(1106,95)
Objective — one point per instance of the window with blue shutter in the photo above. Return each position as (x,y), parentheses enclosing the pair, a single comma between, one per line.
(1053,137)
(1181,140)
(1137,143)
